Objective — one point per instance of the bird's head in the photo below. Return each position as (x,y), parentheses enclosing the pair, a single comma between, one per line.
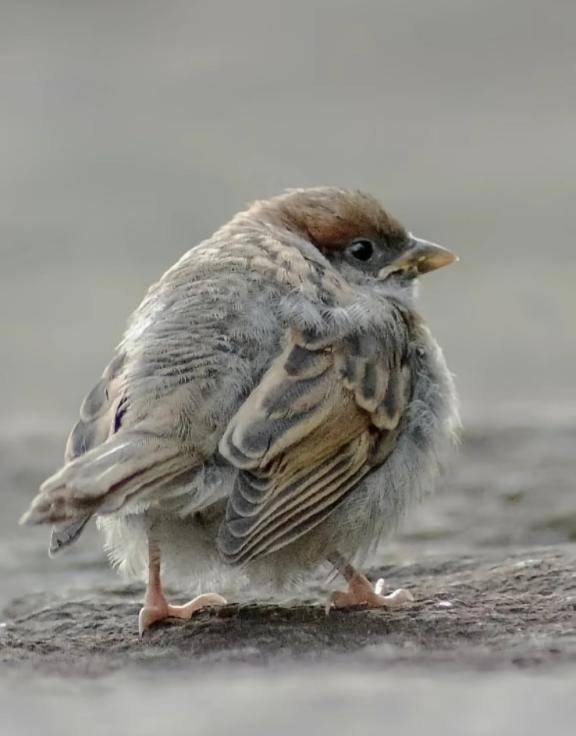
(353,231)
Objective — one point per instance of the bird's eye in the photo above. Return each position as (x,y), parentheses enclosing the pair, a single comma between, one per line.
(361,250)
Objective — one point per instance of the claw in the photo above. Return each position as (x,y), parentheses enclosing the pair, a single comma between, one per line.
(151,614)
(361,593)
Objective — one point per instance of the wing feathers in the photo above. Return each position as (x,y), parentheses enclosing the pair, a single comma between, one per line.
(105,477)
(289,527)
(101,414)
(322,416)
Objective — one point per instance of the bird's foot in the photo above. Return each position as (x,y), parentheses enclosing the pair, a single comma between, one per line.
(160,609)
(361,593)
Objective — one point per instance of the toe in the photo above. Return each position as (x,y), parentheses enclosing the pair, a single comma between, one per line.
(367,597)
(206,600)
(380,586)
(149,616)
(338,599)
(398,599)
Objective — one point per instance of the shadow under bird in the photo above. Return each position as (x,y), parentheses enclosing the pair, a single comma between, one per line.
(275,404)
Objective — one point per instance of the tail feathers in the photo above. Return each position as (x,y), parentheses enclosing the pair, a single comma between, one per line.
(102,480)
(64,535)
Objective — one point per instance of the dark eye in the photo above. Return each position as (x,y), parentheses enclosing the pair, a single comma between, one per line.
(361,250)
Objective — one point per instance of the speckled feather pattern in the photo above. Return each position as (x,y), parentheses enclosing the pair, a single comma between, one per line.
(263,408)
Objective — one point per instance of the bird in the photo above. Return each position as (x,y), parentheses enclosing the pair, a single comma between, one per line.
(276,405)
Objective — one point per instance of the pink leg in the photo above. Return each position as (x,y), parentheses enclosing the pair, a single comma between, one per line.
(360,591)
(156,607)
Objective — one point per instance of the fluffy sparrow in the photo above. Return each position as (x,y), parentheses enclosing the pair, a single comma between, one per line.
(275,403)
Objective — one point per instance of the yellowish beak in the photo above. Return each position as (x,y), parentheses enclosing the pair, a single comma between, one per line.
(421,256)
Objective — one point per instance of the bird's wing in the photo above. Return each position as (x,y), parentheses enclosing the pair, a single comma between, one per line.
(322,416)
(100,416)
(107,463)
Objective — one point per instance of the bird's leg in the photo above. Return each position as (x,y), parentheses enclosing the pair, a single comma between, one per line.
(360,591)
(156,607)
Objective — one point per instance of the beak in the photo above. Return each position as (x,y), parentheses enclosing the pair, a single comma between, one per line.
(421,257)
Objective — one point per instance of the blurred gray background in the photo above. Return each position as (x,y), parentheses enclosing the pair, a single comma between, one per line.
(130,130)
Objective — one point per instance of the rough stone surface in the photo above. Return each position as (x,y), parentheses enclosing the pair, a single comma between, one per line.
(488,647)
(491,610)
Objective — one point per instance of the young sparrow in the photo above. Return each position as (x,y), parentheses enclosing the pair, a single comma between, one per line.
(275,403)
